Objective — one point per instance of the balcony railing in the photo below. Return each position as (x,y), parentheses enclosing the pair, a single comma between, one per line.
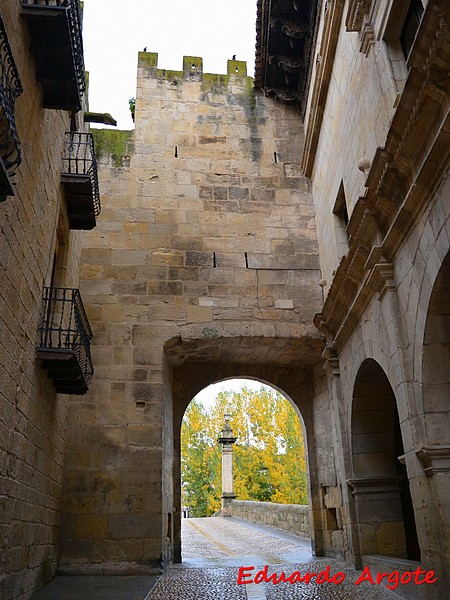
(65,336)
(10,89)
(80,180)
(57,46)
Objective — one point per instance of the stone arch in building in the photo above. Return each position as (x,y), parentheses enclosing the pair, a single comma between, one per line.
(292,383)
(436,361)
(382,505)
(434,453)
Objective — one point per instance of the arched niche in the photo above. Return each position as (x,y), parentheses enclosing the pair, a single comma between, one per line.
(436,362)
(385,523)
(435,451)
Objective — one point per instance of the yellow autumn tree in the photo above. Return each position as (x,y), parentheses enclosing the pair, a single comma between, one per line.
(269,455)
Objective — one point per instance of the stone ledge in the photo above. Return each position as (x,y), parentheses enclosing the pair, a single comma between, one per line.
(387,564)
(293,518)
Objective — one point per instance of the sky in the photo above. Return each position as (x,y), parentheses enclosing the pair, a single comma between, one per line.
(115,31)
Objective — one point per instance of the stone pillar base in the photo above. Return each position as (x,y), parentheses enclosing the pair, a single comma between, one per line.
(226,504)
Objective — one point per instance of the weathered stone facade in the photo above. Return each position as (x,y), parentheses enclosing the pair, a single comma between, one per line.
(238,238)
(385,104)
(37,249)
(204,266)
(293,518)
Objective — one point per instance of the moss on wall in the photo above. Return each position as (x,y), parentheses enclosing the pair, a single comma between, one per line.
(113,142)
(148,59)
(192,61)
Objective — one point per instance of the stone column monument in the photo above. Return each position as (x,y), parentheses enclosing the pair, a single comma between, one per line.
(227,440)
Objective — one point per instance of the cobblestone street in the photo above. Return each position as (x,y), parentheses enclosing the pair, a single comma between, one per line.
(214,549)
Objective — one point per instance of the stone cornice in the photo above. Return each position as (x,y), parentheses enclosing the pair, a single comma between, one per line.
(375,485)
(324,68)
(379,279)
(357,9)
(403,175)
(435,459)
(331,364)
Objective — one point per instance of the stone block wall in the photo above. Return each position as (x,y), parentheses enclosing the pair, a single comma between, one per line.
(33,418)
(384,315)
(359,107)
(205,252)
(293,518)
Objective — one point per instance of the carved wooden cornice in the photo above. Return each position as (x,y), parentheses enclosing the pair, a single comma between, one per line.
(403,175)
(283,95)
(285,38)
(289,63)
(294,30)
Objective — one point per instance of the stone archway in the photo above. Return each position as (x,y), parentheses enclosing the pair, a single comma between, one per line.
(384,512)
(189,379)
(436,361)
(435,452)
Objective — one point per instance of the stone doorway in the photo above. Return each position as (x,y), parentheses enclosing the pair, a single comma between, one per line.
(264,467)
(293,380)
(384,511)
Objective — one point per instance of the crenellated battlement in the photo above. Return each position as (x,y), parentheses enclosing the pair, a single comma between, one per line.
(192,68)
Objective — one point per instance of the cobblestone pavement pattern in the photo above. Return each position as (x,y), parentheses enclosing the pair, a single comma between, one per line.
(214,549)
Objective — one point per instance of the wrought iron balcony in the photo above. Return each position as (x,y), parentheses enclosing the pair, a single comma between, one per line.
(65,336)
(57,47)
(80,180)
(10,89)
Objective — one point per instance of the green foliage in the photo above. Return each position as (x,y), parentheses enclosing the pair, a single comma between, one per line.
(132,105)
(269,455)
(114,142)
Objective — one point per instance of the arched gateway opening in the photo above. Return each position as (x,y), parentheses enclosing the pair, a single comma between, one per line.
(384,511)
(261,476)
(188,381)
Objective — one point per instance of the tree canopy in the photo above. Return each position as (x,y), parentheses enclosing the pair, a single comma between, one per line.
(269,454)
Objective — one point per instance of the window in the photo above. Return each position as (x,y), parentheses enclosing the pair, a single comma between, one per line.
(340,222)
(401,28)
(410,26)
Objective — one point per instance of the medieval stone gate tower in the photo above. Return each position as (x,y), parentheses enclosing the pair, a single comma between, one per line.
(205,266)
(294,229)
